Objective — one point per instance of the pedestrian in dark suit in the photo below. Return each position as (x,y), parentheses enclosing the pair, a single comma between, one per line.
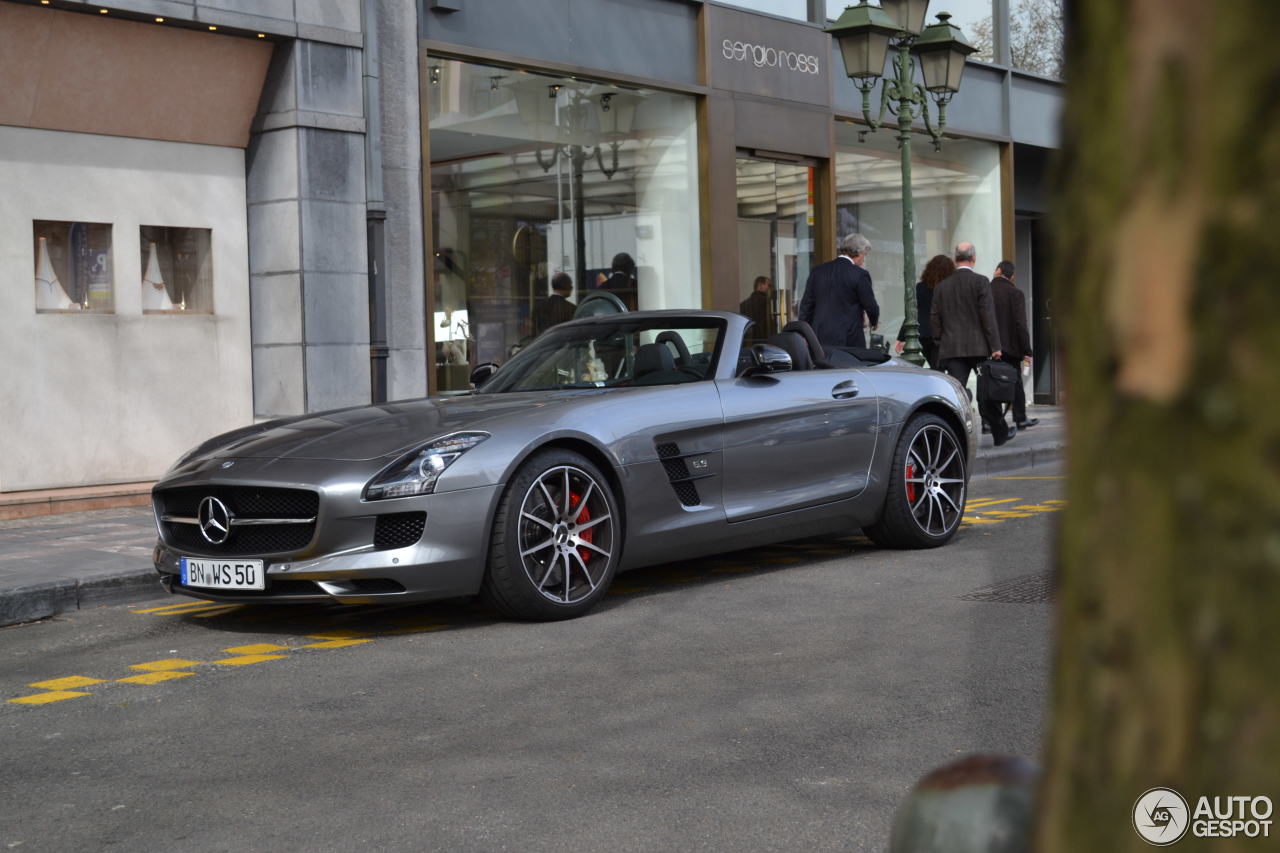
(964,324)
(756,308)
(622,280)
(838,293)
(938,268)
(1011,320)
(555,308)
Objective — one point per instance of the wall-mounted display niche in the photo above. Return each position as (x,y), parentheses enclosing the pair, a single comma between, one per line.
(72,266)
(177,270)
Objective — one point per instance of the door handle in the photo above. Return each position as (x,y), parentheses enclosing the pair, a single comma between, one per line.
(846,390)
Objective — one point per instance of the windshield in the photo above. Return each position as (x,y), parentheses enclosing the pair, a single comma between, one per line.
(617,353)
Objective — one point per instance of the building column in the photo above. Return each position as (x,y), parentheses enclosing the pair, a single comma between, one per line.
(307,241)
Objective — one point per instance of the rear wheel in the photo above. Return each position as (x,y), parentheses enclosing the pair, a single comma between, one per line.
(927,487)
(556,539)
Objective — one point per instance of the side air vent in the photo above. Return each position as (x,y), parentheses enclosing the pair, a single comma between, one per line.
(678,473)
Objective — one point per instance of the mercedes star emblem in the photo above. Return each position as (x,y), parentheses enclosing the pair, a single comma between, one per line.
(215,520)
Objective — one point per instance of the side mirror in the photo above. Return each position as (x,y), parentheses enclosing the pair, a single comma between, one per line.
(767,358)
(483,373)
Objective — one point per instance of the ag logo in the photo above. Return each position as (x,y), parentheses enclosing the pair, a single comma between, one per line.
(1161,816)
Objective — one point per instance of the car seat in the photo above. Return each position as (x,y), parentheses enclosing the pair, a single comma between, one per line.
(795,346)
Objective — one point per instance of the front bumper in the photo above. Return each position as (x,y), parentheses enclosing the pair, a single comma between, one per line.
(448,561)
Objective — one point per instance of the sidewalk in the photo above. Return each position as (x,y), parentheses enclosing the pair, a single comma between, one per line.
(73,560)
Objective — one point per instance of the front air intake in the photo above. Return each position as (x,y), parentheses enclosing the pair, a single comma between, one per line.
(399,530)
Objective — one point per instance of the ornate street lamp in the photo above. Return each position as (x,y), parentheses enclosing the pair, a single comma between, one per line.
(864,33)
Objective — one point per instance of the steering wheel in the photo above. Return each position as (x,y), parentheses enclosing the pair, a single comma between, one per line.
(682,351)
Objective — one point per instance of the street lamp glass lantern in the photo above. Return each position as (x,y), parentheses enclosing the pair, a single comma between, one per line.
(863,32)
(942,51)
(908,15)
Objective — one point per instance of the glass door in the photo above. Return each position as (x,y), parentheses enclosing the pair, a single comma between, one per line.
(775,239)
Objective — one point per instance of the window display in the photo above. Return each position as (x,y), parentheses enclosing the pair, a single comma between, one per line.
(177,273)
(544,190)
(72,266)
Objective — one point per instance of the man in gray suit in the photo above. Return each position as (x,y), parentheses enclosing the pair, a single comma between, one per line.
(964,327)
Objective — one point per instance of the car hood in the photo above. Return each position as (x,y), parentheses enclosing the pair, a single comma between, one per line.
(370,432)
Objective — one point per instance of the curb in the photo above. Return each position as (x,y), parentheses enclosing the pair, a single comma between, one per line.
(40,601)
(1018,458)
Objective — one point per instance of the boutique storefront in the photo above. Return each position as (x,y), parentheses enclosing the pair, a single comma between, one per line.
(710,145)
(536,174)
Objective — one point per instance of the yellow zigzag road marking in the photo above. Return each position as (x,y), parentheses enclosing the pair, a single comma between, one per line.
(167,663)
(1043,477)
(175,608)
(65,683)
(154,677)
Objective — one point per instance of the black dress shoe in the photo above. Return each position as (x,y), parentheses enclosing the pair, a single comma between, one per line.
(1029,422)
(986,430)
(1012,431)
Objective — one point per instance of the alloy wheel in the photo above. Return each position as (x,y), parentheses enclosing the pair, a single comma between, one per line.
(566,534)
(935,481)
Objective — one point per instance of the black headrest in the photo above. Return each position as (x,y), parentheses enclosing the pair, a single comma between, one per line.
(806,331)
(796,347)
(651,358)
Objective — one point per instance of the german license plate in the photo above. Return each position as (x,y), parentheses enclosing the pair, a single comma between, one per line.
(223,574)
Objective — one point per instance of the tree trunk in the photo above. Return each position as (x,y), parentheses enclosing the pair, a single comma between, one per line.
(1167,666)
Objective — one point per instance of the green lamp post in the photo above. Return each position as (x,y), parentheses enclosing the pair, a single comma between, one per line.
(865,33)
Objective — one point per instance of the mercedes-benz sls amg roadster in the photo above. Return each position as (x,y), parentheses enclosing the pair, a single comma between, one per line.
(606,444)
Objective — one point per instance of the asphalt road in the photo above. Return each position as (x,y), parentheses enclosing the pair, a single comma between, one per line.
(778,699)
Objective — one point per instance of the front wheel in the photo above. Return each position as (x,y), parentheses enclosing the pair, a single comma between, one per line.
(927,487)
(556,539)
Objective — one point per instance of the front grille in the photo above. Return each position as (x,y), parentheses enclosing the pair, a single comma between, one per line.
(244,502)
(399,529)
(258,539)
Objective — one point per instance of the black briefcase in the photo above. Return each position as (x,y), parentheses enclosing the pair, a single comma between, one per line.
(997,381)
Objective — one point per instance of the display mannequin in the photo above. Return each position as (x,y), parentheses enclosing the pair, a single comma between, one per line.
(155,296)
(50,294)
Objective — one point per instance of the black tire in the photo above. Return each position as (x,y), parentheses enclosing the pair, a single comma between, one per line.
(928,484)
(550,558)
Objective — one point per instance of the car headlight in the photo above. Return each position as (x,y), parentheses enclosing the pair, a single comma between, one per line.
(416,474)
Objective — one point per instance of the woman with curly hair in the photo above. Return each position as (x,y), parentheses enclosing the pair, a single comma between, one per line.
(938,268)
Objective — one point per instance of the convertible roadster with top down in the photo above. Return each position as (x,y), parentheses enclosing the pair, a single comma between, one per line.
(608,443)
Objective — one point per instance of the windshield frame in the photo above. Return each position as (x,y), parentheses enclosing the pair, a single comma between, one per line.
(601,328)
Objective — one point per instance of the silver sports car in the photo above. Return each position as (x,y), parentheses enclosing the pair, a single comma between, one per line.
(609,443)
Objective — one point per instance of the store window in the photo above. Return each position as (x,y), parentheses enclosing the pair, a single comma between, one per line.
(177,274)
(955,195)
(73,266)
(545,189)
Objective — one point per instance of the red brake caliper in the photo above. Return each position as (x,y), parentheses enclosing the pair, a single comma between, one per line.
(911,487)
(583,518)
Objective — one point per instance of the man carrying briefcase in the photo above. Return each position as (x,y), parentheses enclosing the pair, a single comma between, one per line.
(964,326)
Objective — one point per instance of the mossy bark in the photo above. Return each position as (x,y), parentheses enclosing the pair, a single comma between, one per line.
(1167,662)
